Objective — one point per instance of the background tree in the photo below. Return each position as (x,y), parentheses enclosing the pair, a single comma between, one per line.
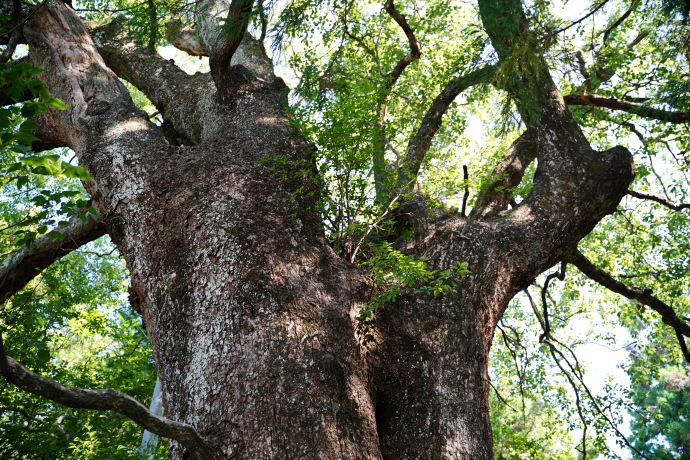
(360,275)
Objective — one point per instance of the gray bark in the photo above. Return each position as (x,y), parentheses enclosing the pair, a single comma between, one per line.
(251,316)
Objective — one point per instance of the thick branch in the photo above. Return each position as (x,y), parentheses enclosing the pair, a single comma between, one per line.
(159,79)
(415,50)
(644,296)
(22,266)
(574,186)
(668,116)
(222,29)
(496,195)
(420,144)
(75,73)
(107,399)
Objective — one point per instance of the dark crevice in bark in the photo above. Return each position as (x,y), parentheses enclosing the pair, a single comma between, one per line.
(508,174)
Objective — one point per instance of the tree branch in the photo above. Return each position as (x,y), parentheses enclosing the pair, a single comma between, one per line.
(644,296)
(186,41)
(415,50)
(233,30)
(22,266)
(619,21)
(107,399)
(420,144)
(665,202)
(153,25)
(159,79)
(574,23)
(507,174)
(591,100)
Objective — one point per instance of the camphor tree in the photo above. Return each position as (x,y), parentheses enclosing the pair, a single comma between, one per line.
(304,290)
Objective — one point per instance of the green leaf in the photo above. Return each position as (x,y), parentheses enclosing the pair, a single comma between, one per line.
(56,103)
(28,126)
(55,235)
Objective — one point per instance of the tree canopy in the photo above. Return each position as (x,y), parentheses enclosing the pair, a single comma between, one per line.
(395,99)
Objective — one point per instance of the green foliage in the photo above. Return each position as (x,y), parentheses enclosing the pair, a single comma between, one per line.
(393,271)
(73,323)
(34,177)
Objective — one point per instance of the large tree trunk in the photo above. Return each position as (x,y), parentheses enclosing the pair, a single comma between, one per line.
(252,317)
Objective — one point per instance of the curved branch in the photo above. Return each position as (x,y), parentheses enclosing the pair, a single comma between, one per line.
(662,201)
(644,296)
(574,23)
(22,266)
(668,116)
(415,50)
(420,144)
(107,399)
(507,174)
(159,79)
(232,30)
(574,186)
(619,21)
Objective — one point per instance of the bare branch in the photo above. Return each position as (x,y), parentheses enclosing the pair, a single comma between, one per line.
(663,201)
(22,266)
(159,79)
(107,399)
(415,50)
(668,116)
(644,296)
(420,144)
(506,175)
(360,41)
(619,21)
(466,177)
(546,334)
(597,8)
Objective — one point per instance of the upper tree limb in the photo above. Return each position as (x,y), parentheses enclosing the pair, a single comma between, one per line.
(22,266)
(420,143)
(159,79)
(644,296)
(668,116)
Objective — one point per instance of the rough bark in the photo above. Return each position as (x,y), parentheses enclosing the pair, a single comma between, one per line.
(248,311)
(251,316)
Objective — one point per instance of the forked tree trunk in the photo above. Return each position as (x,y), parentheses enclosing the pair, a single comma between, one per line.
(251,316)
